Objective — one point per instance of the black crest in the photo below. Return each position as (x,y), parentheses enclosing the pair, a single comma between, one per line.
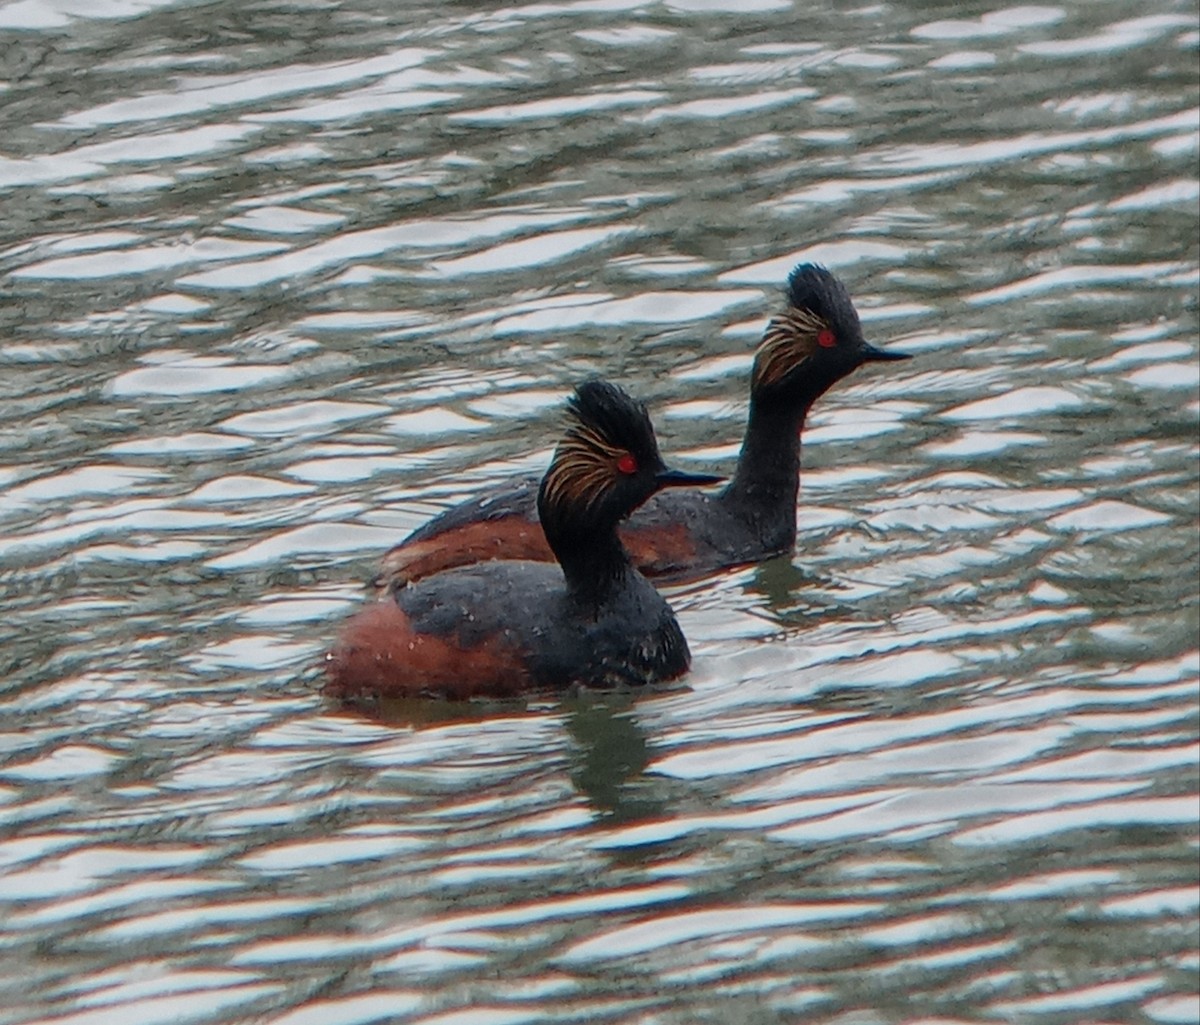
(815,288)
(605,465)
(818,304)
(609,417)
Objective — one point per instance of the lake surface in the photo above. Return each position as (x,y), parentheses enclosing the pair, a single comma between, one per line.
(280,281)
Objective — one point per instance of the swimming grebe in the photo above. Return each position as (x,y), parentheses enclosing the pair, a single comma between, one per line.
(499,628)
(805,350)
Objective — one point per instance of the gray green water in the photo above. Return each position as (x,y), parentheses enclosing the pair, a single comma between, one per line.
(280,281)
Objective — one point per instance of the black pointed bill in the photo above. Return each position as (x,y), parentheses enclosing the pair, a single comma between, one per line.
(870,354)
(681,478)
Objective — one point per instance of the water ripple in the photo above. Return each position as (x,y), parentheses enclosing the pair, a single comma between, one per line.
(282,283)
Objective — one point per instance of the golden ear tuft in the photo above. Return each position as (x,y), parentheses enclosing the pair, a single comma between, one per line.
(583,469)
(788,342)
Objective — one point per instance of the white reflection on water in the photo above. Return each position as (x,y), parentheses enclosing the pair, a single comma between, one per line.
(282,283)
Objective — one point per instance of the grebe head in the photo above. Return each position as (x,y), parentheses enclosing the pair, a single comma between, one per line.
(607,464)
(816,341)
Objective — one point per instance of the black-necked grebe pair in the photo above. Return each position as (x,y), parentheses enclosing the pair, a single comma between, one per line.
(468,605)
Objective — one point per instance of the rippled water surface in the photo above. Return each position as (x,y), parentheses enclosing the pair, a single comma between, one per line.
(280,281)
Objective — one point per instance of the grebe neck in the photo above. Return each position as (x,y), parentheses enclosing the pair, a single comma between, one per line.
(766,482)
(593,560)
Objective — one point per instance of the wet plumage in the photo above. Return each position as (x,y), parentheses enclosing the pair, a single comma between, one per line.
(500,627)
(807,348)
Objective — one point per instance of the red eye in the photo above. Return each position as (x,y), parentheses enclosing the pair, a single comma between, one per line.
(826,339)
(627,464)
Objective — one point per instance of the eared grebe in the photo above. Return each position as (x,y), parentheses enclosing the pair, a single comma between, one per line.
(808,348)
(501,627)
